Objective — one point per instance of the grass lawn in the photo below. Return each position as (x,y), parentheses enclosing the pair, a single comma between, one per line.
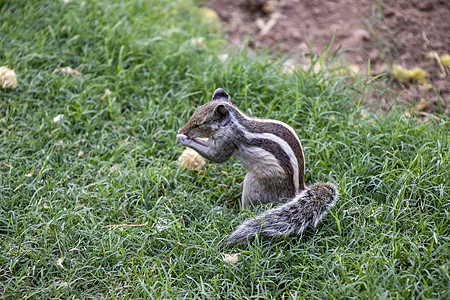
(94,205)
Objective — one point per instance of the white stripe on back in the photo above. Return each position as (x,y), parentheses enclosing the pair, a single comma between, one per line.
(284,145)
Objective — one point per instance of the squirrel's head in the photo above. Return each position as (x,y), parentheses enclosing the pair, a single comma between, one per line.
(209,117)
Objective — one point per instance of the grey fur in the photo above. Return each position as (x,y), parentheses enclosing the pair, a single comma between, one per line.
(307,208)
(222,123)
(273,156)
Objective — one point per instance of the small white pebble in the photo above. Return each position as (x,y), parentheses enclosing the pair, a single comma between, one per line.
(58,118)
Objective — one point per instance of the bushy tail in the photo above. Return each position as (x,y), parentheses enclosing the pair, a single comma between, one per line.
(306,208)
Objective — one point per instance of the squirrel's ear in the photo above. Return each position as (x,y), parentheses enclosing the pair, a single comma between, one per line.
(222,113)
(220,94)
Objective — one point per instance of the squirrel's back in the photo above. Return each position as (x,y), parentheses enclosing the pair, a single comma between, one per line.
(277,138)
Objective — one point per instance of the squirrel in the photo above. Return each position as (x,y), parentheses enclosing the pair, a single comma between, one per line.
(273,156)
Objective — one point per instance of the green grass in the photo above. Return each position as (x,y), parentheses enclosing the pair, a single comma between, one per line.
(388,237)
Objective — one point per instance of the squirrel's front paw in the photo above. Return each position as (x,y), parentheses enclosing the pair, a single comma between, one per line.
(183,139)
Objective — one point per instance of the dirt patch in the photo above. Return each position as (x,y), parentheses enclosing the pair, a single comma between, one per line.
(385,32)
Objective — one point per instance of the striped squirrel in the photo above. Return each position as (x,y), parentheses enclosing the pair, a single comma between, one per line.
(273,156)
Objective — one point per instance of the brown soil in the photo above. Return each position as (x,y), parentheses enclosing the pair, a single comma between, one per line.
(386,32)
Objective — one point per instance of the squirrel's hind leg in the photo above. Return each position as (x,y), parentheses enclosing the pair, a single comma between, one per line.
(258,191)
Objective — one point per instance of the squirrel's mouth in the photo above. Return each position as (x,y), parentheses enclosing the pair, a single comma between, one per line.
(201,141)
